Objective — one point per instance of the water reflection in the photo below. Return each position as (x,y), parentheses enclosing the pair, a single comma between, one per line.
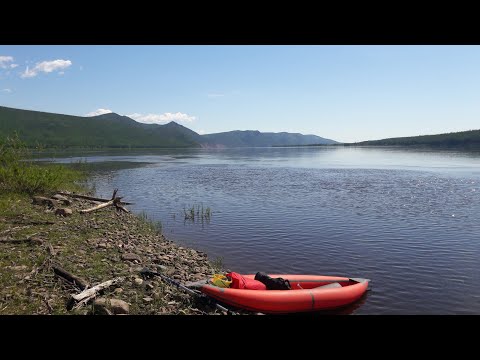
(407,219)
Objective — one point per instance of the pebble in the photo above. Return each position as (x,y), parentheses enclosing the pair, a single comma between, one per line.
(116,306)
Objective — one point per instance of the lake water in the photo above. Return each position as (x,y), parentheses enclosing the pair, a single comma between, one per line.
(409,220)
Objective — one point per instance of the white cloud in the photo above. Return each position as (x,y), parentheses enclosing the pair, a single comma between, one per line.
(162,118)
(8,91)
(61,73)
(5,60)
(28,73)
(99,112)
(215,95)
(46,67)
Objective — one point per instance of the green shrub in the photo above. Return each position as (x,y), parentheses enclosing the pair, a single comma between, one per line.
(19,174)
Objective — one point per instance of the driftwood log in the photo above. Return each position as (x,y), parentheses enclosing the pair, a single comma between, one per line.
(88,294)
(75,280)
(116,201)
(78,196)
(98,207)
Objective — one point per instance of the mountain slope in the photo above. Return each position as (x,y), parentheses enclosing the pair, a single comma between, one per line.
(108,130)
(249,138)
(468,139)
(116,131)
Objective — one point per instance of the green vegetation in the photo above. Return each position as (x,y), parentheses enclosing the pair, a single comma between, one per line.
(104,131)
(153,226)
(19,174)
(464,139)
(95,247)
(199,212)
(90,246)
(250,138)
(218,265)
(114,131)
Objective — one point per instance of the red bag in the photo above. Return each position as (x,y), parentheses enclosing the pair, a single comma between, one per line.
(240,282)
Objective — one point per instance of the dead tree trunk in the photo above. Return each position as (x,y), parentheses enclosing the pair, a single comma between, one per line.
(98,207)
(85,296)
(82,284)
(91,198)
(116,201)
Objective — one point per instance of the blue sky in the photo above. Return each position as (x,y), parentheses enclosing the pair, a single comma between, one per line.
(345,93)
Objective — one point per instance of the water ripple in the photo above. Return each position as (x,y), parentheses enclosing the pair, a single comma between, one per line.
(407,220)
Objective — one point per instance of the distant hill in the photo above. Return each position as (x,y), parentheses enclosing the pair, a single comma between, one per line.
(116,131)
(108,130)
(249,138)
(462,139)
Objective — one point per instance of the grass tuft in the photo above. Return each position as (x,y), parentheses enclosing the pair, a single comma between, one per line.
(20,175)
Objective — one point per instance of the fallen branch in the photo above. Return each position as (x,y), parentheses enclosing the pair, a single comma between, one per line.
(75,280)
(32,240)
(98,207)
(85,296)
(28,223)
(91,198)
(50,249)
(116,201)
(122,208)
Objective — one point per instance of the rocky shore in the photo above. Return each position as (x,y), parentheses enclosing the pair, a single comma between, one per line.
(39,237)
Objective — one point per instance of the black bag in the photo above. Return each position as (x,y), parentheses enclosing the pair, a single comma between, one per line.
(273,283)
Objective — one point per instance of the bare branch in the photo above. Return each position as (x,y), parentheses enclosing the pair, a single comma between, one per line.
(82,284)
(90,198)
(85,296)
(98,207)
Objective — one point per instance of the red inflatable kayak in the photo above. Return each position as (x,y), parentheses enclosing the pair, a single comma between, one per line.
(308,293)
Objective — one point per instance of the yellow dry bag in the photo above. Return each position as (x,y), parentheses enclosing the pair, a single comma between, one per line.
(220,281)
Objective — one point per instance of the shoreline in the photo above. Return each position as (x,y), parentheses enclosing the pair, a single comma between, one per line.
(95,247)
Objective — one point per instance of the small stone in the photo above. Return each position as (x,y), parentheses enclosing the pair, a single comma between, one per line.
(138,281)
(148,299)
(62,199)
(131,257)
(118,290)
(64,212)
(161,268)
(170,272)
(199,276)
(149,286)
(19,268)
(102,245)
(116,306)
